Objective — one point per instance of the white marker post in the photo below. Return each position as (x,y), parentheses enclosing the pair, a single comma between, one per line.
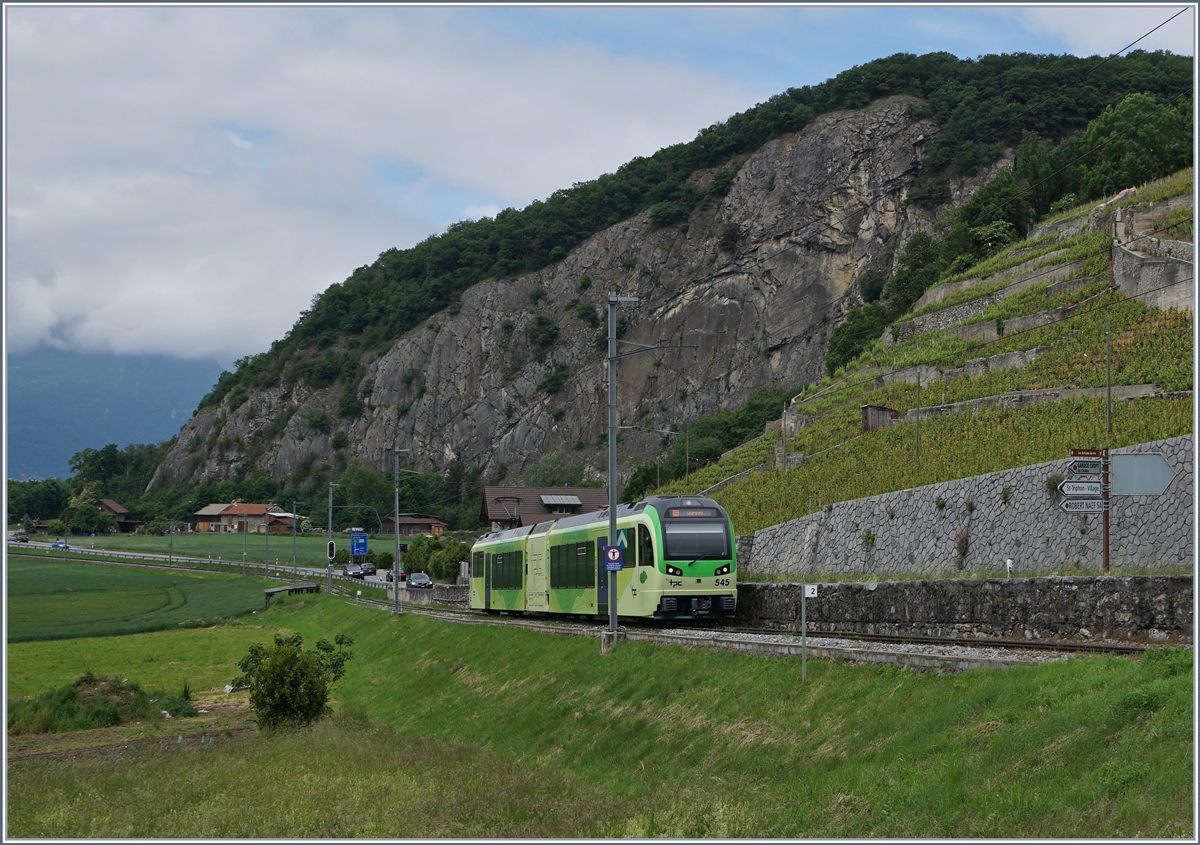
(808,591)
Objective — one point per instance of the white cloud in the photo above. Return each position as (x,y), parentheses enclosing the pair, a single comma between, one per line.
(476,212)
(1103,30)
(183,180)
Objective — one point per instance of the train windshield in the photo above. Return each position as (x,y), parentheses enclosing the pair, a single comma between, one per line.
(696,540)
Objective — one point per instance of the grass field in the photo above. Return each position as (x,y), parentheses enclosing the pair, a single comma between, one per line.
(53,599)
(310,549)
(484,732)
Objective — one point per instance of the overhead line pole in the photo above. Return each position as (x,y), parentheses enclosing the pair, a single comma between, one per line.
(396,534)
(613,300)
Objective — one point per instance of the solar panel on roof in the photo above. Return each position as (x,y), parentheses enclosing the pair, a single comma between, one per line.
(560,500)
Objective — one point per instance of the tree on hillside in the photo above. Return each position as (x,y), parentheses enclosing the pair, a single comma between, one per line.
(554,470)
(289,687)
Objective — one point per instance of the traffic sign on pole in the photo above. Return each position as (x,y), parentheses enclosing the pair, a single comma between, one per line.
(358,545)
(1082,505)
(1085,467)
(1081,488)
(1087,453)
(1147,474)
(614,558)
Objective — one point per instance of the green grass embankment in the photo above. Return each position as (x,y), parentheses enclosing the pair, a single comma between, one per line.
(486,731)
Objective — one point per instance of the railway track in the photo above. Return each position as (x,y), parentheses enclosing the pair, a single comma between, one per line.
(939,653)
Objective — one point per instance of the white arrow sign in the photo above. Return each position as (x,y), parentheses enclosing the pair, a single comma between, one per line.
(1081,488)
(1082,505)
(1147,474)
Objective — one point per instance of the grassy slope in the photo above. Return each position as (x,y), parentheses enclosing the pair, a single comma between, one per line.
(526,734)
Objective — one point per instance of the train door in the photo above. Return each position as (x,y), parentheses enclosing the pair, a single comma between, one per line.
(537,573)
(487,581)
(601,577)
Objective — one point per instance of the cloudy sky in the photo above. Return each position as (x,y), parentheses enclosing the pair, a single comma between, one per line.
(184,180)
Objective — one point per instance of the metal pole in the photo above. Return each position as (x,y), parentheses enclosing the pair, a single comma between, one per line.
(613,299)
(329,539)
(1108,368)
(243,544)
(294,503)
(918,411)
(171,541)
(612,458)
(266,540)
(1104,491)
(396,534)
(803,635)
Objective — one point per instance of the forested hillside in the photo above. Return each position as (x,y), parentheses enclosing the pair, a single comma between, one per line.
(981,106)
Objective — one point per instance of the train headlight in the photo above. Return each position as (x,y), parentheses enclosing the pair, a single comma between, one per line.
(672,570)
(724,570)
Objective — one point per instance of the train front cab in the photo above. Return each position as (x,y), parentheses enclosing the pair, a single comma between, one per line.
(694,559)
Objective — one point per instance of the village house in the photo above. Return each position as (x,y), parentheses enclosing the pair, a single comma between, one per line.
(512,507)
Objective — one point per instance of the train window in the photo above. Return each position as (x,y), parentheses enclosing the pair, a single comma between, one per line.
(477,565)
(645,547)
(696,541)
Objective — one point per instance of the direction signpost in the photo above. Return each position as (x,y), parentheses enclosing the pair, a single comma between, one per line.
(358,545)
(1083,506)
(1081,488)
(1088,462)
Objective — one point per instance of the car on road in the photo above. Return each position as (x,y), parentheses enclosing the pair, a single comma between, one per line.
(18,537)
(59,544)
(391,575)
(352,570)
(368,568)
(420,580)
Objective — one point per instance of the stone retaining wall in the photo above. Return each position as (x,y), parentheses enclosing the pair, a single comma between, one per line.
(1155,608)
(1160,282)
(1012,515)
(455,594)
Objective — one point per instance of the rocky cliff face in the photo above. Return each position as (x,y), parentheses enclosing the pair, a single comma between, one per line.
(751,286)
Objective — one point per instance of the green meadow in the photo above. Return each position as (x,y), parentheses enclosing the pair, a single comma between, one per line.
(53,599)
(483,731)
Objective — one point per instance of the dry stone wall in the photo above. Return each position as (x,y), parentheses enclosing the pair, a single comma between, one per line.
(1007,515)
(1157,608)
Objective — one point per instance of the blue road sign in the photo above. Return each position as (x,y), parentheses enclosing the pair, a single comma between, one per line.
(614,558)
(358,545)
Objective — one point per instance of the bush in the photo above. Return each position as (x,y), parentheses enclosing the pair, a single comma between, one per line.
(340,440)
(555,379)
(319,421)
(289,687)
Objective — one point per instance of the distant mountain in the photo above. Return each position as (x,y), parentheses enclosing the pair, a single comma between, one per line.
(62,402)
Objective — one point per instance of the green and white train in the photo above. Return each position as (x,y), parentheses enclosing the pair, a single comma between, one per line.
(679,563)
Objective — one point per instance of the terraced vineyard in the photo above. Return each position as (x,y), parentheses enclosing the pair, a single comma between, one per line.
(1059,326)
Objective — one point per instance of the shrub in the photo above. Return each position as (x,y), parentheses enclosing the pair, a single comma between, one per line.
(587,313)
(868,537)
(555,379)
(340,440)
(537,294)
(319,420)
(289,687)
(542,333)
(730,235)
